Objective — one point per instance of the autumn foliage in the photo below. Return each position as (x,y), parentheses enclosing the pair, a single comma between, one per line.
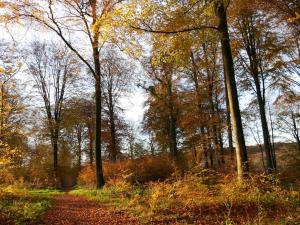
(134,171)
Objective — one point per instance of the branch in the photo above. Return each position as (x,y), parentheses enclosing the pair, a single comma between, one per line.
(150,30)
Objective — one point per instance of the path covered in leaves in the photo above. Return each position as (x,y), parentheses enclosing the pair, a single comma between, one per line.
(74,210)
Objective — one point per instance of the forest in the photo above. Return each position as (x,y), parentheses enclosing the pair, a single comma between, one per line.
(149,112)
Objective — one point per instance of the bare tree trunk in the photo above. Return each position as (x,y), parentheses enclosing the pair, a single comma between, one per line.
(241,151)
(55,153)
(205,148)
(228,121)
(296,132)
(221,146)
(96,57)
(98,153)
(197,90)
(264,124)
(172,120)
(2,112)
(79,145)
(114,151)
(91,144)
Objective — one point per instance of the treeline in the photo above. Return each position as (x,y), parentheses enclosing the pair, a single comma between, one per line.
(199,59)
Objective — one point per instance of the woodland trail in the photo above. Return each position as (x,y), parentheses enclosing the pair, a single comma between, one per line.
(74,210)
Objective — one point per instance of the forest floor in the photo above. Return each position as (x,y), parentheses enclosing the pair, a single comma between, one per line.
(75,210)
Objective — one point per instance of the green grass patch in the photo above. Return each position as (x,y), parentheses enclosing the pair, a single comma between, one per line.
(18,206)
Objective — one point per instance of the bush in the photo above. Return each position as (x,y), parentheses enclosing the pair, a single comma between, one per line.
(18,206)
(142,170)
(87,176)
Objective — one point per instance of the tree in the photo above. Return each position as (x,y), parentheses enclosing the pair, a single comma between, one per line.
(181,19)
(287,110)
(95,21)
(285,10)
(262,64)
(52,67)
(116,75)
(240,146)
(163,105)
(11,110)
(75,122)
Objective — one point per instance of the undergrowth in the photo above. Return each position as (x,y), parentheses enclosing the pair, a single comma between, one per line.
(203,197)
(19,205)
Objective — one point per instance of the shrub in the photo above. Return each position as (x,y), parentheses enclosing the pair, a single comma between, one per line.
(87,177)
(134,171)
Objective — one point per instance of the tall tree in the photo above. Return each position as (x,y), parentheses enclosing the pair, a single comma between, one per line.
(52,68)
(287,110)
(241,151)
(94,20)
(182,20)
(11,113)
(260,56)
(116,75)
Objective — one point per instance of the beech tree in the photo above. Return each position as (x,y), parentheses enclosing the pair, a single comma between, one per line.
(52,68)
(95,21)
(288,116)
(116,75)
(181,19)
(260,57)
(162,113)
(11,110)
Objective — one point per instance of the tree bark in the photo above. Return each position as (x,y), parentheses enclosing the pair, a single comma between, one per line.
(96,57)
(114,151)
(91,144)
(55,153)
(221,146)
(228,121)
(172,121)
(79,145)
(241,151)
(264,124)
(99,171)
(296,132)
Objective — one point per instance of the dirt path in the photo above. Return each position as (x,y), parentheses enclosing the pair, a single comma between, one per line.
(72,210)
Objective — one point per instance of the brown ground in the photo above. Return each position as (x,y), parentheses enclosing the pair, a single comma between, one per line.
(73,210)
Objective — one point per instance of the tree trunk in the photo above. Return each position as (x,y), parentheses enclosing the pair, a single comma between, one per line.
(197,90)
(221,146)
(264,124)
(241,151)
(205,148)
(79,150)
(54,142)
(96,57)
(98,153)
(172,120)
(228,121)
(55,153)
(2,113)
(296,132)
(114,152)
(91,144)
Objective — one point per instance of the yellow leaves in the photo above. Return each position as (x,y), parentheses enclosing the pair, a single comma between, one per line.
(2,70)
(8,154)
(172,49)
(293,19)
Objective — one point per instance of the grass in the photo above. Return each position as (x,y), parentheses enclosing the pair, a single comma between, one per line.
(203,198)
(18,206)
